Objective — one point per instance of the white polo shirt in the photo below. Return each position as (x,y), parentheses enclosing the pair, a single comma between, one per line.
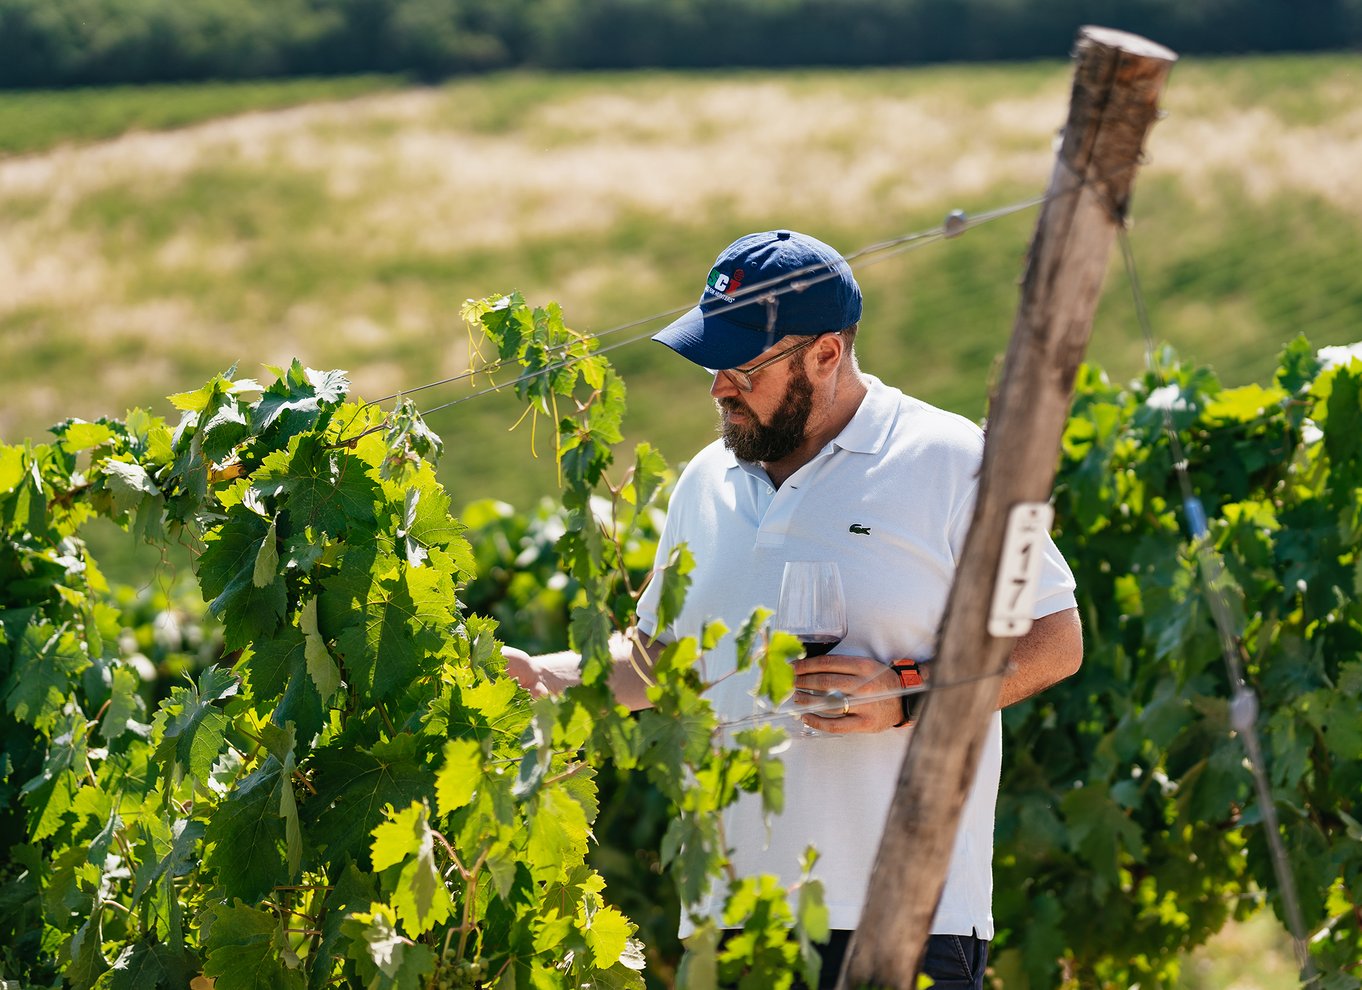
(890,500)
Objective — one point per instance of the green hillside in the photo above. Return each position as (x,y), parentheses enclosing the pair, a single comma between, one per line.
(348,232)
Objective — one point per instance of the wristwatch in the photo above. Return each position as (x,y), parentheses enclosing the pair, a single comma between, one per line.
(910,676)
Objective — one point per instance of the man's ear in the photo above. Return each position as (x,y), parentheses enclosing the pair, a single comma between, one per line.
(829,351)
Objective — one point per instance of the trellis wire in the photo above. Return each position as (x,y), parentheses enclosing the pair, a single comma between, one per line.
(758,293)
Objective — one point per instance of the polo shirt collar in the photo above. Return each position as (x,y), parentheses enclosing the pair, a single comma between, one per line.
(869,427)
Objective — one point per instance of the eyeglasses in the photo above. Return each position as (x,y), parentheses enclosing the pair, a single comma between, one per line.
(742,377)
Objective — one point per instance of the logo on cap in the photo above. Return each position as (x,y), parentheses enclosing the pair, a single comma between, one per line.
(724,285)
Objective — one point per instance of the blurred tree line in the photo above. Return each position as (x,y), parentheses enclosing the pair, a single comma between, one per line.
(49,43)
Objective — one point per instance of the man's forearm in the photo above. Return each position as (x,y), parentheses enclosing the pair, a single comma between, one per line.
(1050,652)
(554,673)
(632,673)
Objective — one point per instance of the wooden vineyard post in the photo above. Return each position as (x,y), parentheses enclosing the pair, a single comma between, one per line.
(1118,78)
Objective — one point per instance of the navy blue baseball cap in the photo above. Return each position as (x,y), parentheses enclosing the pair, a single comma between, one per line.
(764,287)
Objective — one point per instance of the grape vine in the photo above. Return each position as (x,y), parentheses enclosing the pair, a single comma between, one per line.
(354,793)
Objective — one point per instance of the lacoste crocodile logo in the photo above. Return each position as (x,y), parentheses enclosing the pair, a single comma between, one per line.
(859,530)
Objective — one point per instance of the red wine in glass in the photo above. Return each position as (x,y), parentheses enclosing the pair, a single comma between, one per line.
(817,646)
(813,610)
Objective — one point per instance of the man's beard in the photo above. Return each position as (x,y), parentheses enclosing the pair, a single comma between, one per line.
(755,442)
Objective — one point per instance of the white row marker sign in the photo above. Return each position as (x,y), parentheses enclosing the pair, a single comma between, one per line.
(1014,594)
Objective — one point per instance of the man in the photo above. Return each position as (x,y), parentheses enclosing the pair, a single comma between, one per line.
(818,461)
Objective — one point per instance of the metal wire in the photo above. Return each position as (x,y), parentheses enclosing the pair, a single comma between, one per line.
(782,711)
(760,293)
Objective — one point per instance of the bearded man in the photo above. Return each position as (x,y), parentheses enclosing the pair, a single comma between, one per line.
(818,461)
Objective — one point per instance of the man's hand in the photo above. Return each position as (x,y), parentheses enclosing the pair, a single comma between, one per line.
(551,673)
(854,677)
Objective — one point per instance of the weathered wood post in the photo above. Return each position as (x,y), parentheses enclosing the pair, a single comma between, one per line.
(1117,81)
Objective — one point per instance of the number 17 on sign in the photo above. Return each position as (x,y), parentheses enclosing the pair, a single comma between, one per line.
(1014,594)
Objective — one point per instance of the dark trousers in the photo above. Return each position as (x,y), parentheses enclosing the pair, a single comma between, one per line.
(954,962)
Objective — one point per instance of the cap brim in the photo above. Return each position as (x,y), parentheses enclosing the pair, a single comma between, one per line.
(713,342)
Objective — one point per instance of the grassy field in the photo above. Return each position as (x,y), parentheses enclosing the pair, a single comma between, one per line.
(150,237)
(38,121)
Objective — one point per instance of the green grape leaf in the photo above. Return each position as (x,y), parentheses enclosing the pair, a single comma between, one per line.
(420,897)
(1343,427)
(323,490)
(762,743)
(274,661)
(557,833)
(750,635)
(302,706)
(302,552)
(401,620)
(193,731)
(354,785)
(11,468)
(148,965)
(1244,403)
(590,636)
(618,977)
(295,402)
(1334,715)
(680,730)
(222,425)
(536,745)
(607,934)
(675,579)
(1298,366)
(811,918)
(79,435)
(585,451)
(87,962)
(180,858)
(227,570)
(128,484)
(409,442)
(414,551)
(458,779)
(777,667)
(699,966)
(99,845)
(281,744)
(428,525)
(244,950)
(650,469)
(267,558)
(45,662)
(321,666)
(219,385)
(49,798)
(66,751)
(399,837)
(246,835)
(125,704)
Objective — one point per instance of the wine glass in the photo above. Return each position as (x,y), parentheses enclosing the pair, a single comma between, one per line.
(813,610)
